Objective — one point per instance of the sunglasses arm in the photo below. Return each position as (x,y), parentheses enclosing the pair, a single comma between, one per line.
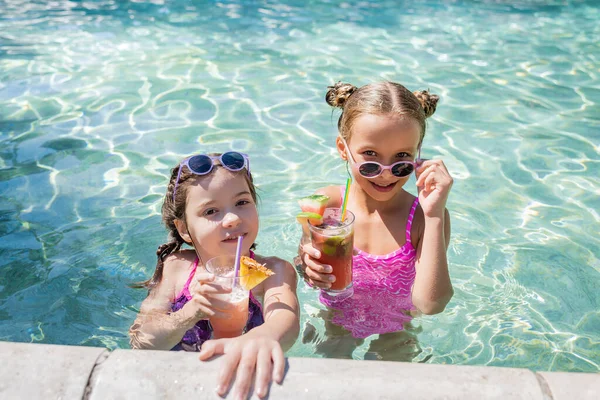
(177,181)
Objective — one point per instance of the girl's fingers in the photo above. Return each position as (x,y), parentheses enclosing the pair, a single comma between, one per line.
(422,165)
(263,372)
(310,250)
(208,289)
(311,272)
(423,173)
(316,266)
(278,364)
(244,374)
(430,182)
(204,277)
(319,284)
(320,278)
(228,366)
(208,311)
(212,348)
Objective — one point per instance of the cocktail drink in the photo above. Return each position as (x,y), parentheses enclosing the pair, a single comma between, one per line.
(334,239)
(233,325)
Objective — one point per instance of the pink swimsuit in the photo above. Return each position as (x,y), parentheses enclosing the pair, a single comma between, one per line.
(382,290)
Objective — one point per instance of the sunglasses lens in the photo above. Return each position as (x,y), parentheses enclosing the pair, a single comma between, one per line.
(200,164)
(402,169)
(233,160)
(369,170)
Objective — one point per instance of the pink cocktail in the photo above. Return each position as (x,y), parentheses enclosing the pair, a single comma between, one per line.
(235,322)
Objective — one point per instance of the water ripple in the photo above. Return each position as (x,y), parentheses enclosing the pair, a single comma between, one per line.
(98,100)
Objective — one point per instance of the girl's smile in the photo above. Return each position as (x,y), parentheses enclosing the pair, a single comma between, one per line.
(384,188)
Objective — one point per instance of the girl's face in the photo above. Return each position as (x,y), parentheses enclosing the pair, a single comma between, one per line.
(385,139)
(219,208)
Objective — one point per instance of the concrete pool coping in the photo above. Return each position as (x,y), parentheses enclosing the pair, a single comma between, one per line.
(75,372)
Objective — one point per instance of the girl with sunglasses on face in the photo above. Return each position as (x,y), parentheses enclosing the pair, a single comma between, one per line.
(210,202)
(400,241)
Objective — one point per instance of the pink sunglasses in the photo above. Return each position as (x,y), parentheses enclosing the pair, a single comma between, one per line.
(372,169)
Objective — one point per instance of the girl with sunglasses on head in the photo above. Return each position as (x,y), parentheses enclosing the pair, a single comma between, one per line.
(400,241)
(209,203)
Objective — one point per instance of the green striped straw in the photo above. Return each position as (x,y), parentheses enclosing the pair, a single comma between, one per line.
(348,182)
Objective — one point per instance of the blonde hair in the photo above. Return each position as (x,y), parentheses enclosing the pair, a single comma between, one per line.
(379,98)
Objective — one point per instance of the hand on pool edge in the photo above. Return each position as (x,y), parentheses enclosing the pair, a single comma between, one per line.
(241,357)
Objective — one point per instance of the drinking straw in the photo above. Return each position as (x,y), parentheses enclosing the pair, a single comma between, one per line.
(238,253)
(345,199)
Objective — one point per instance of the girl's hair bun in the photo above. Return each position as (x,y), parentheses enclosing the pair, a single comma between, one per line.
(338,94)
(428,101)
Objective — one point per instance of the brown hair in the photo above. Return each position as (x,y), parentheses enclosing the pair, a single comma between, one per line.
(379,98)
(173,209)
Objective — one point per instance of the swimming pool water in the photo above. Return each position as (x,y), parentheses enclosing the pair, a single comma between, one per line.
(98,99)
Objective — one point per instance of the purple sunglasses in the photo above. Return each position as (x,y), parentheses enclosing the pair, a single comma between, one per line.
(202,164)
(372,169)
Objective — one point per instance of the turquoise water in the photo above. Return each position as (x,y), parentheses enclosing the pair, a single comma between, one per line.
(98,99)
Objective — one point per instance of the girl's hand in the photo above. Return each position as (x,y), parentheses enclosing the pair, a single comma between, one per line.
(315,273)
(434,183)
(242,357)
(203,304)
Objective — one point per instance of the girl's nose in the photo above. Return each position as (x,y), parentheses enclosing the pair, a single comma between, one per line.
(231,220)
(387,174)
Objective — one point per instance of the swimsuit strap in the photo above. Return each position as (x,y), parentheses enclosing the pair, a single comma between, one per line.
(409,221)
(186,288)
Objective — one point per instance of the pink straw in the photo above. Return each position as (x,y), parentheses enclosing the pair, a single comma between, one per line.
(238,253)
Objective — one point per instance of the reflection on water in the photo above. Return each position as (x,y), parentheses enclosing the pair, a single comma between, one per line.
(99,98)
(333,341)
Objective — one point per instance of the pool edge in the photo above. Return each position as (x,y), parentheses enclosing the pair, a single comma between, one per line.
(58,371)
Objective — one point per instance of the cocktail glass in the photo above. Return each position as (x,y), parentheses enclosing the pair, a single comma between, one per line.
(334,239)
(223,267)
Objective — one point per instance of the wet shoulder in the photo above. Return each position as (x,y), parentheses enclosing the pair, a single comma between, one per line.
(284,273)
(177,268)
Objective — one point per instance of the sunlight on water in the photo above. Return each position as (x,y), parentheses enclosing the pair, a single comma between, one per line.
(98,99)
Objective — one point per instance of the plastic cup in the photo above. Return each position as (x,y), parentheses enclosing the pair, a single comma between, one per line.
(223,267)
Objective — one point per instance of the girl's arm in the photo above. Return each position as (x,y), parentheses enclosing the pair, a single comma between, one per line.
(432,289)
(260,350)
(156,327)
(280,306)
